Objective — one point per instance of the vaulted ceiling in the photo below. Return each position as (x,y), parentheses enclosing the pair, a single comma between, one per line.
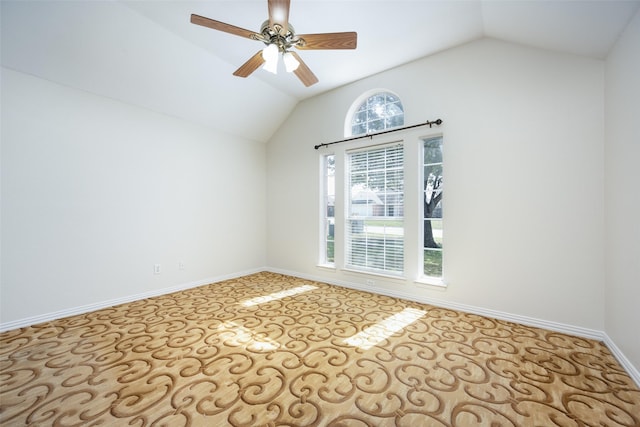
(147,53)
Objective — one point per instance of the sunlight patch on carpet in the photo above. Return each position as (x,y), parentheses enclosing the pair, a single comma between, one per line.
(371,336)
(233,334)
(277,295)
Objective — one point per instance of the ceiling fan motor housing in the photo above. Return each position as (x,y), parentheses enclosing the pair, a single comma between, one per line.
(273,35)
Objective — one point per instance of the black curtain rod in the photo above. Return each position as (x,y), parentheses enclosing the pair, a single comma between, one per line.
(371,135)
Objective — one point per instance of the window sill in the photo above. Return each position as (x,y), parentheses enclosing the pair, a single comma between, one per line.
(431,282)
(331,267)
(355,272)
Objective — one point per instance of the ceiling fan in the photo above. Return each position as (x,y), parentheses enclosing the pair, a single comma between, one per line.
(279,37)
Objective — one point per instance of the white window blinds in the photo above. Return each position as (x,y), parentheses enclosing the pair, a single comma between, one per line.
(375,219)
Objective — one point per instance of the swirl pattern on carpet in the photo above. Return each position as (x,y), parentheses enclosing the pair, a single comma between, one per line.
(269,349)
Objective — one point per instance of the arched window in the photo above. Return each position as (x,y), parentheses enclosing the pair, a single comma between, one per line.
(374,112)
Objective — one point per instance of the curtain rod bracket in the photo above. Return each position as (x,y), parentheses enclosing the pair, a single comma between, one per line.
(437,122)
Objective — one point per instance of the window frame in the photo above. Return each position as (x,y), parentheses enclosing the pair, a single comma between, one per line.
(422,276)
(325,218)
(412,139)
(364,98)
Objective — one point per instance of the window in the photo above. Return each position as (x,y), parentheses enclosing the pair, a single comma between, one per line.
(432,207)
(366,179)
(380,111)
(375,218)
(328,209)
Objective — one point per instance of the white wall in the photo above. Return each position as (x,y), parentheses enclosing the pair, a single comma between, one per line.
(95,192)
(523,133)
(622,189)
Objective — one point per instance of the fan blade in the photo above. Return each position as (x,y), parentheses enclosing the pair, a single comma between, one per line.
(221,26)
(250,66)
(303,72)
(348,40)
(279,14)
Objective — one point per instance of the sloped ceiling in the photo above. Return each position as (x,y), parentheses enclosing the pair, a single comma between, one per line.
(147,53)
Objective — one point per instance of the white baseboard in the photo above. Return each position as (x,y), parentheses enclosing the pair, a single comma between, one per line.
(48,317)
(622,359)
(509,317)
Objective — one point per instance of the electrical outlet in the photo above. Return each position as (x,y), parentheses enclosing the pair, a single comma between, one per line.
(180,265)
(156,269)
(370,282)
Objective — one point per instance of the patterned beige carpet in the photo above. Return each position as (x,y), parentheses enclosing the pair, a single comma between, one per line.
(268,349)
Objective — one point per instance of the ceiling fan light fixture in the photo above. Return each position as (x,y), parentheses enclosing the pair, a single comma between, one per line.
(271,67)
(270,56)
(290,62)
(270,53)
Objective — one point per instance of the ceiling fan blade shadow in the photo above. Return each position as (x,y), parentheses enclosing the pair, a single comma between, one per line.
(279,14)
(221,26)
(250,66)
(304,73)
(345,40)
